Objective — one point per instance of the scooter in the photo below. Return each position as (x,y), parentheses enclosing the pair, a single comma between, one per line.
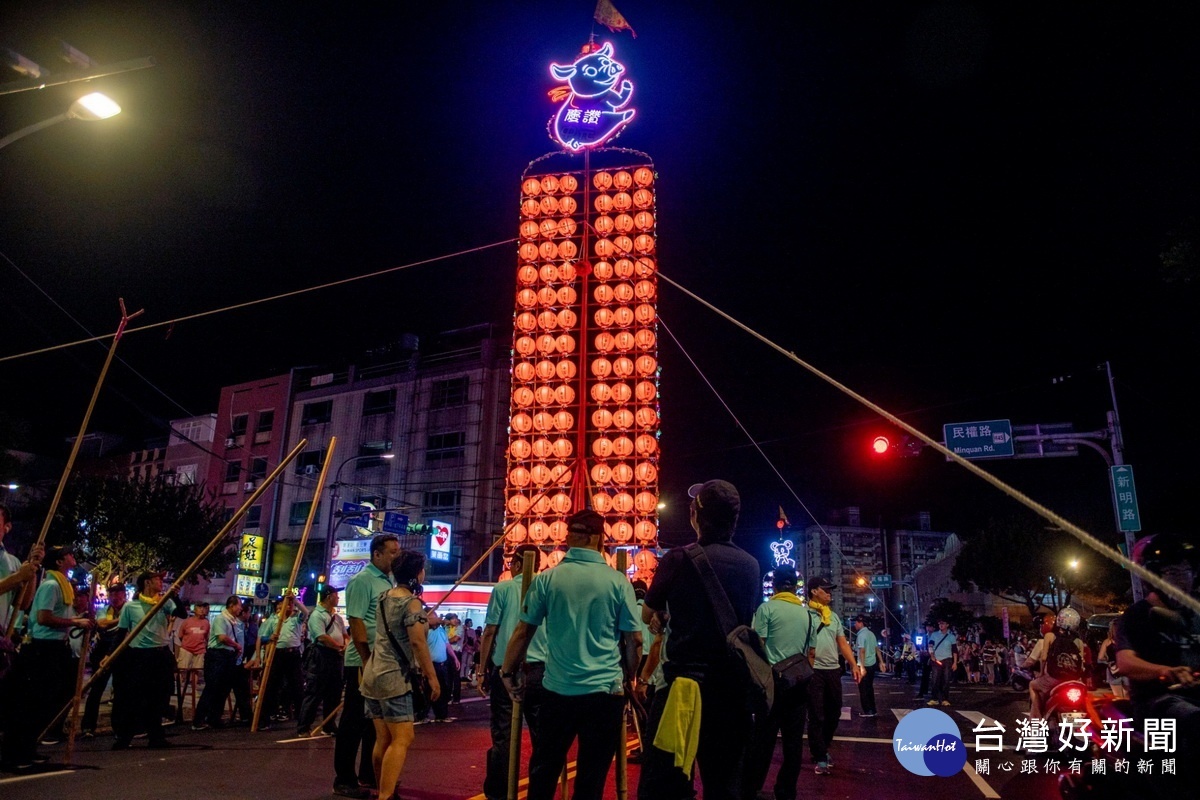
(1020,679)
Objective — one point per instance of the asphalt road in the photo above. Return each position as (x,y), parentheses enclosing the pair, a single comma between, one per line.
(447,761)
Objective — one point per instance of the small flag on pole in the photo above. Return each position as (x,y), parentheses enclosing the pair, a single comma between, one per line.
(608,16)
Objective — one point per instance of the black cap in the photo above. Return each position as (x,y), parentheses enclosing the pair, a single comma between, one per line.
(784,576)
(821,583)
(586,522)
(718,499)
(56,554)
(861,618)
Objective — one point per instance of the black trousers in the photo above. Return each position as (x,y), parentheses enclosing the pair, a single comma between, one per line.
(286,689)
(866,690)
(322,685)
(220,667)
(824,710)
(143,679)
(40,684)
(593,719)
(787,718)
(495,782)
(354,731)
(91,709)
(726,726)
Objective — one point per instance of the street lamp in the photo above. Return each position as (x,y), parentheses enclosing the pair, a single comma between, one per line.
(331,528)
(90,107)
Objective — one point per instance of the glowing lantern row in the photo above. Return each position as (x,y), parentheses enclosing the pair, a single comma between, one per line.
(624,268)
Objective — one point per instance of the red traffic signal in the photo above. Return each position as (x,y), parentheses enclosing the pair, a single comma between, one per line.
(881,445)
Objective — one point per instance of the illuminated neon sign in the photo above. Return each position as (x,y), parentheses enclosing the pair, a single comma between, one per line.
(782,551)
(593,100)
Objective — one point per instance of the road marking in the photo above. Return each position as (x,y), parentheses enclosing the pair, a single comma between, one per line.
(845,713)
(901,712)
(19,778)
(980,783)
(523,783)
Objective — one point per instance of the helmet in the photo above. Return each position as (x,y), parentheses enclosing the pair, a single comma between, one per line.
(1160,550)
(1068,620)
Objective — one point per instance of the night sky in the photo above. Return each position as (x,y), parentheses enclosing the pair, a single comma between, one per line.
(944,205)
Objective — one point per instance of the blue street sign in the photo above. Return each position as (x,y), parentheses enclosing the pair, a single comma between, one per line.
(262,591)
(881,581)
(1125,498)
(355,514)
(988,439)
(394,522)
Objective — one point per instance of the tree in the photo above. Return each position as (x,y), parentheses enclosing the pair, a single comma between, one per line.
(952,611)
(123,526)
(1018,559)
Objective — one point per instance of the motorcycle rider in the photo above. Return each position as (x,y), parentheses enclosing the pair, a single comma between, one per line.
(1158,643)
(1066,625)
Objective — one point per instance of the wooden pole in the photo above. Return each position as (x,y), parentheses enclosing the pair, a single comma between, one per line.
(622,733)
(25,599)
(514,728)
(317,730)
(106,664)
(73,728)
(289,600)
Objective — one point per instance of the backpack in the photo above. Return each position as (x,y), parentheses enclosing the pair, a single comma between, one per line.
(745,647)
(1064,662)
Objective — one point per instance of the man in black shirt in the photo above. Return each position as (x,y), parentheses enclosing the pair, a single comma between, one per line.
(677,600)
(1158,643)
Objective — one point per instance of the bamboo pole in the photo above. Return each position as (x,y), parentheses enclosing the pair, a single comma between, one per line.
(289,599)
(106,664)
(622,733)
(514,728)
(320,726)
(25,598)
(73,728)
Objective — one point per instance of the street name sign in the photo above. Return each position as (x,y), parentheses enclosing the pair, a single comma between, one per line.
(881,581)
(1125,498)
(987,439)
(394,522)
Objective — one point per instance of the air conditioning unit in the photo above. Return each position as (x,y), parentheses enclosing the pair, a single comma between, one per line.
(310,469)
(249,486)
(230,442)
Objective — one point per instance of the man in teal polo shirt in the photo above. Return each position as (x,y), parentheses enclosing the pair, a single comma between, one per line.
(362,595)
(286,684)
(220,663)
(866,645)
(585,602)
(144,675)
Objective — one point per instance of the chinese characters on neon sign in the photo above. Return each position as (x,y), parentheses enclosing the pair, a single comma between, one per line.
(592,109)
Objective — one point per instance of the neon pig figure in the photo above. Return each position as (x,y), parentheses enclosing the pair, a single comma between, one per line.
(594,111)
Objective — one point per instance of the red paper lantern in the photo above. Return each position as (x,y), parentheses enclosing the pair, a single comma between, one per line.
(645,391)
(527,275)
(545,369)
(519,449)
(644,244)
(532,187)
(621,392)
(565,369)
(647,445)
(548,205)
(645,314)
(531,208)
(525,345)
(645,472)
(516,533)
(566,272)
(567,205)
(568,249)
(643,176)
(622,474)
(602,418)
(542,448)
(623,419)
(569,183)
(622,446)
(602,447)
(643,198)
(603,203)
(567,318)
(603,225)
(523,396)
(602,181)
(565,344)
(602,502)
(645,531)
(622,201)
(623,223)
(601,392)
(550,184)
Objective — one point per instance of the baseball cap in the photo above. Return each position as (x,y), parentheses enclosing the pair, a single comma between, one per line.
(785,576)
(861,618)
(717,498)
(820,583)
(586,522)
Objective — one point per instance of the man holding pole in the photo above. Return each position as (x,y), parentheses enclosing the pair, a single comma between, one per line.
(503,614)
(144,678)
(323,662)
(44,681)
(591,608)
(362,594)
(13,574)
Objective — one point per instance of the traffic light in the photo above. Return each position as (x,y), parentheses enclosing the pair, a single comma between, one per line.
(320,584)
(881,445)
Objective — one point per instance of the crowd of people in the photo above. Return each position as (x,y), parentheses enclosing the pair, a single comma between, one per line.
(569,649)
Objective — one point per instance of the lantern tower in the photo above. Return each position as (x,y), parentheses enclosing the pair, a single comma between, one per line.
(584,423)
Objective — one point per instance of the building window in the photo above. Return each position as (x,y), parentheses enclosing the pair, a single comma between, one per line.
(298,514)
(185,475)
(258,469)
(238,428)
(449,393)
(316,413)
(371,454)
(442,503)
(233,471)
(383,402)
(266,421)
(309,462)
(444,447)
(254,517)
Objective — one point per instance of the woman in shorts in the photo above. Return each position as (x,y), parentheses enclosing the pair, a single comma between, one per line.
(400,649)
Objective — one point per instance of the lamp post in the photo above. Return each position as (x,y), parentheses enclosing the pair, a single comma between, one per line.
(331,527)
(90,107)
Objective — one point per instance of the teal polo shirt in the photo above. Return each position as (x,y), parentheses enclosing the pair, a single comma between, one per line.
(223,625)
(784,628)
(289,632)
(865,640)
(585,602)
(362,602)
(267,628)
(48,597)
(825,641)
(942,644)
(9,564)
(504,611)
(156,633)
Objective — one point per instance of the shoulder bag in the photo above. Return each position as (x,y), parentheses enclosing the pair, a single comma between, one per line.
(795,670)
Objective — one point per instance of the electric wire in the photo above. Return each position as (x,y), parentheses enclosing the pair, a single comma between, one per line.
(262,300)
(1042,511)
